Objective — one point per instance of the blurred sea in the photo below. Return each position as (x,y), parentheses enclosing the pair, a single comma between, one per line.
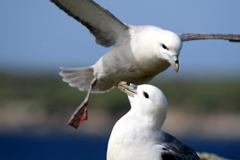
(62,147)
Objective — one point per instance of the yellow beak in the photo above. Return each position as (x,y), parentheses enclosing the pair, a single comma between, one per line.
(174,62)
(129,89)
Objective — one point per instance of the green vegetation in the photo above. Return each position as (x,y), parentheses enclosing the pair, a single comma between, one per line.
(56,96)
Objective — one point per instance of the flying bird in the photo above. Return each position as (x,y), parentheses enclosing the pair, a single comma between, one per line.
(138,135)
(139,52)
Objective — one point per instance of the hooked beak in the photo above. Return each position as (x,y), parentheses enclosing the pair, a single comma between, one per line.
(174,62)
(129,89)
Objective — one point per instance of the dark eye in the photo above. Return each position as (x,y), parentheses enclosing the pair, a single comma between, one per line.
(145,95)
(164,47)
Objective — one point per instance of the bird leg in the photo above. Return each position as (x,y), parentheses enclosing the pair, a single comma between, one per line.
(80,113)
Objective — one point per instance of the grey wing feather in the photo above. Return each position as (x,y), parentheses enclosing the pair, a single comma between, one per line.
(176,150)
(201,36)
(100,22)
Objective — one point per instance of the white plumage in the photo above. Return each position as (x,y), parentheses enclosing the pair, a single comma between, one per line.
(137,135)
(136,57)
(139,52)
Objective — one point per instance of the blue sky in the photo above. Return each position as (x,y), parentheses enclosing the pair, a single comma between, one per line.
(37,37)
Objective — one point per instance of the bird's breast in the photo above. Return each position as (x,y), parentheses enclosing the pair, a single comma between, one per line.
(129,140)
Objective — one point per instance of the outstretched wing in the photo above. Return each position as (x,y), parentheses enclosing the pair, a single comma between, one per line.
(175,150)
(101,23)
(200,36)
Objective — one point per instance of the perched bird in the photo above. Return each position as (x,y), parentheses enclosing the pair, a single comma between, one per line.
(138,135)
(139,52)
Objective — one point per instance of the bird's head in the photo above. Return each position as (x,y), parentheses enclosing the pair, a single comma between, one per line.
(167,46)
(147,101)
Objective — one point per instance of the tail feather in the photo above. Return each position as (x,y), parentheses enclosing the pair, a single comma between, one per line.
(69,77)
(78,77)
(83,85)
(81,78)
(76,84)
(77,80)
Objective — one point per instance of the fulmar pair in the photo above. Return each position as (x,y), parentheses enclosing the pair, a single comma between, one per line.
(139,52)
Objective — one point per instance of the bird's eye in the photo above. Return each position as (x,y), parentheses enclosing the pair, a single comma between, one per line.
(165,47)
(145,95)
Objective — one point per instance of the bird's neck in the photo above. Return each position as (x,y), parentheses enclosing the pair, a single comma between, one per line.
(141,122)
(151,121)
